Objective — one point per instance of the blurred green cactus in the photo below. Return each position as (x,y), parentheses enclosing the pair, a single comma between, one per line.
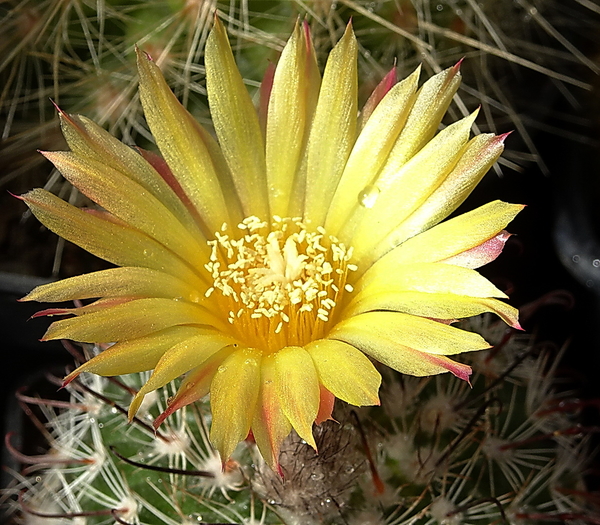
(508,450)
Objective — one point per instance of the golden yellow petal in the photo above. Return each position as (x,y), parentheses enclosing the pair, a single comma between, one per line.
(333,130)
(298,388)
(130,320)
(236,123)
(116,282)
(233,399)
(182,144)
(345,371)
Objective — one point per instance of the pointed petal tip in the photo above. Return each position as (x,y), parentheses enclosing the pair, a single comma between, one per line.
(502,137)
(456,67)
(67,379)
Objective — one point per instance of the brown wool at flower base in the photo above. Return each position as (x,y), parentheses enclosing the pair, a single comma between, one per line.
(271,265)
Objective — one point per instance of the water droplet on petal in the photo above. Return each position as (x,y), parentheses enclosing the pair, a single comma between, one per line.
(222,369)
(368,196)
(596,263)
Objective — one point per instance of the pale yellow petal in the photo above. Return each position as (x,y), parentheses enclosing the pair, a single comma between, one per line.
(345,372)
(178,360)
(426,277)
(130,320)
(333,131)
(236,123)
(436,306)
(128,201)
(455,235)
(479,156)
(371,150)
(406,330)
(233,398)
(270,425)
(106,239)
(116,282)
(431,104)
(182,145)
(287,122)
(136,355)
(407,191)
(298,388)
(90,141)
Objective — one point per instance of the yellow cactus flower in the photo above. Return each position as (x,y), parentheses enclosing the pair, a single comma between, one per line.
(272,264)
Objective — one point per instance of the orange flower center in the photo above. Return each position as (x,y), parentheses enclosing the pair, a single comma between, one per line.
(278,282)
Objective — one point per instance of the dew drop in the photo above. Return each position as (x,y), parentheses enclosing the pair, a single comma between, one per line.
(368,196)
(100,425)
(222,369)
(575,258)
(195,297)
(596,263)
(317,476)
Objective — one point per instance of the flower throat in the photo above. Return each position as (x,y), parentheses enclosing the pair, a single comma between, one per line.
(278,282)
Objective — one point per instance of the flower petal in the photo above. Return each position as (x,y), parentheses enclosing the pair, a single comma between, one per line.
(333,131)
(270,425)
(371,150)
(406,330)
(478,157)
(130,320)
(196,385)
(431,104)
(287,122)
(106,238)
(116,282)
(183,145)
(88,140)
(128,201)
(298,388)
(179,359)
(236,123)
(345,372)
(136,355)
(455,235)
(480,255)
(426,277)
(233,399)
(436,306)
(414,181)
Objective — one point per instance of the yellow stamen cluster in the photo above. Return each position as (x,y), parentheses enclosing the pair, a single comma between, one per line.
(279,283)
